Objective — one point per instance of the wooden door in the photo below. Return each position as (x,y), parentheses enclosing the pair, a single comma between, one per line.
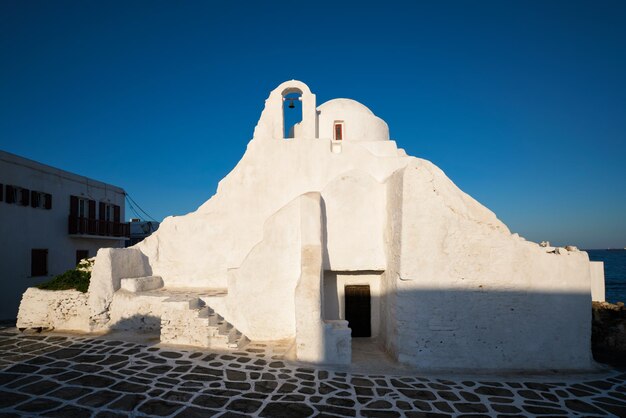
(358,310)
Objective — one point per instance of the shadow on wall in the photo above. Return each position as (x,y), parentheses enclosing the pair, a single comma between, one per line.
(145,323)
(479,328)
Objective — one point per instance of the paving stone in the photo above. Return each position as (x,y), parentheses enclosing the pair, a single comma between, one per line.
(170,354)
(244,405)
(418,394)
(194,412)
(99,398)
(379,414)
(361,391)
(9,398)
(130,387)
(493,391)
(36,405)
(207,371)
(379,404)
(412,414)
(265,386)
(235,376)
(22,369)
(65,353)
(127,402)
(69,411)
(238,386)
(344,412)
(210,401)
(159,407)
(443,406)
(448,396)
(617,410)
(362,382)
(94,381)
(348,403)
(506,409)
(284,409)
(470,407)
(200,377)
(422,406)
(469,397)
(543,410)
(69,392)
(40,388)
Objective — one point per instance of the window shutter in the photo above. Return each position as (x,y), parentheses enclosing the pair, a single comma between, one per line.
(102,211)
(73,206)
(25,197)
(92,209)
(48,201)
(38,262)
(34,198)
(116,213)
(10,194)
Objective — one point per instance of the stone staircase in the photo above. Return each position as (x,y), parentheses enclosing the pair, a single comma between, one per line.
(187,320)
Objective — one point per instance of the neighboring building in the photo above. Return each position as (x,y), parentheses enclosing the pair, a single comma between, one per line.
(336,234)
(140,230)
(49,220)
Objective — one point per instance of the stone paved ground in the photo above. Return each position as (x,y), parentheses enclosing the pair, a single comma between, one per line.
(75,376)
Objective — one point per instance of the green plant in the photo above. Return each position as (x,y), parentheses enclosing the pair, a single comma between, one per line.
(71,279)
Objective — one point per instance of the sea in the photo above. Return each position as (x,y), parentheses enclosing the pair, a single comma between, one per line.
(614,272)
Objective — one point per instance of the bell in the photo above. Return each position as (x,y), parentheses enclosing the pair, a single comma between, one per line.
(291,105)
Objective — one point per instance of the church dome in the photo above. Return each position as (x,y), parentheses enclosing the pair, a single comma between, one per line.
(357,122)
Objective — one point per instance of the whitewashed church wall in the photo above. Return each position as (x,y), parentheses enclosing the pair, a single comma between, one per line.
(472,296)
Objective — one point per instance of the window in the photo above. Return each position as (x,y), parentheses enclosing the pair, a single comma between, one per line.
(24,196)
(36,200)
(47,201)
(38,262)
(338,131)
(11,194)
(81,255)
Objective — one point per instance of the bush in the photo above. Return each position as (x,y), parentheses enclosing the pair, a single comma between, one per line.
(71,279)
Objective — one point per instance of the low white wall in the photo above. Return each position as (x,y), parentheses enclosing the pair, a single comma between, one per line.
(53,309)
(112,265)
(596,269)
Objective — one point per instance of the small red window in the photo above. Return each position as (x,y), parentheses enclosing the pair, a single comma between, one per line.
(338,131)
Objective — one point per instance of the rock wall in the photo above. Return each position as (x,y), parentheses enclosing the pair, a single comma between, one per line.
(53,309)
(609,333)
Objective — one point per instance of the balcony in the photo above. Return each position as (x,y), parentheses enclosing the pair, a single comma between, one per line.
(93,228)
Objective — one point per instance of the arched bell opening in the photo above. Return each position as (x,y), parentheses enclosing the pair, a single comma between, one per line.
(292,113)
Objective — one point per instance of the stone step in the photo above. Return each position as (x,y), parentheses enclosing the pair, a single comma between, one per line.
(188,321)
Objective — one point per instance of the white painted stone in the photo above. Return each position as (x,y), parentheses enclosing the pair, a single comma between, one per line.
(597,281)
(53,309)
(141,284)
(111,265)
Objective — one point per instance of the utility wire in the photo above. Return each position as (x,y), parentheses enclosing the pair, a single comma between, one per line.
(130,199)
(132,208)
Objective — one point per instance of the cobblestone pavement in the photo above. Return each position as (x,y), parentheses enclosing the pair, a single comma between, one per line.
(76,376)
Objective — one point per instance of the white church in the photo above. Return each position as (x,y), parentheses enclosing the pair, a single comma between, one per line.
(328,232)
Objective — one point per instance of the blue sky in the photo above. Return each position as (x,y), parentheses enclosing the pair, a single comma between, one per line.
(522,104)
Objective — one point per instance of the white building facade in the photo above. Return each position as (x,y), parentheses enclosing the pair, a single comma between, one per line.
(50,219)
(327,231)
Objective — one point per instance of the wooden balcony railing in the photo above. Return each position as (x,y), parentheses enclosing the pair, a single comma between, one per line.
(78,225)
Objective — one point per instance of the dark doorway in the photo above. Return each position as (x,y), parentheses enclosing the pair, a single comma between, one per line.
(358,310)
